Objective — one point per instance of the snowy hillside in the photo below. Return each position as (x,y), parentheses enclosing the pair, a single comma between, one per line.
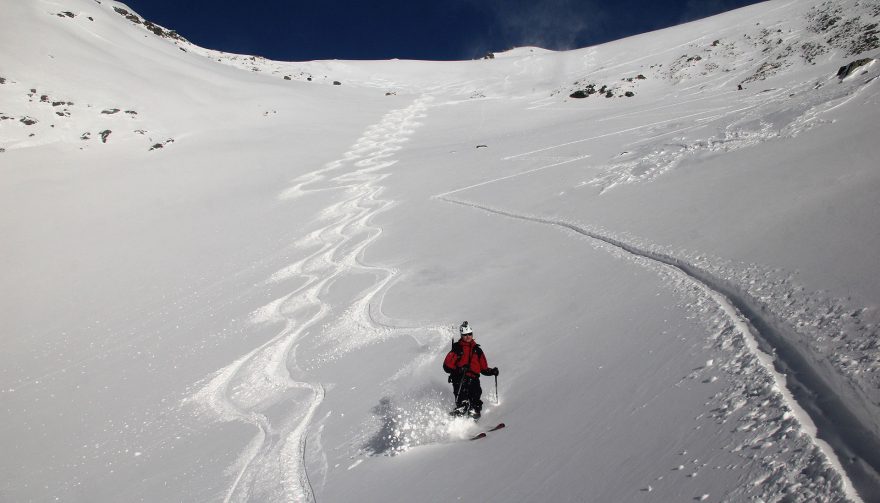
(233,279)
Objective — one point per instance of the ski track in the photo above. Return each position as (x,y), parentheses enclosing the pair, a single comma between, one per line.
(267,388)
(844,428)
(273,466)
(835,424)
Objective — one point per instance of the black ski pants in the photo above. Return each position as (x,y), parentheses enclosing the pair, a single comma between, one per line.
(468,390)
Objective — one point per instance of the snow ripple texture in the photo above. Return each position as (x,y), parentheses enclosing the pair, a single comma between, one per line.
(267,388)
(770,115)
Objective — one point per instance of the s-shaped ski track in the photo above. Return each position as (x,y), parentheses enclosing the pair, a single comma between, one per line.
(266,388)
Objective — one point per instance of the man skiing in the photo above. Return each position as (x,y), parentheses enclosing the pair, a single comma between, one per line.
(464,364)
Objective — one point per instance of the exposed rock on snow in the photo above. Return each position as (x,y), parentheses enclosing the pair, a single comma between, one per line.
(847,70)
(156,29)
(157,146)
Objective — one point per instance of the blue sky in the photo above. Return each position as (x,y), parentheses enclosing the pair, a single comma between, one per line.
(299,30)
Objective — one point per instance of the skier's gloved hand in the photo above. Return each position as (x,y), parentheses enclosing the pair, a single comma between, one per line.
(494,371)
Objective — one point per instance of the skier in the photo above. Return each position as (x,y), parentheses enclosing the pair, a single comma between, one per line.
(464,364)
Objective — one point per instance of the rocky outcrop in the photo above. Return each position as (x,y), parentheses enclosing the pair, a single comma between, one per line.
(157,146)
(153,27)
(845,30)
(847,70)
(606,90)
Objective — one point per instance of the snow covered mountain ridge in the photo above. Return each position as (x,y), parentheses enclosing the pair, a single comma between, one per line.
(234,279)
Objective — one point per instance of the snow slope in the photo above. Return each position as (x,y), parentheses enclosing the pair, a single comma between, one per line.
(233,279)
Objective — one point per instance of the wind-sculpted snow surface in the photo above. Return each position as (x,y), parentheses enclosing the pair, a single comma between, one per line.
(773,114)
(266,387)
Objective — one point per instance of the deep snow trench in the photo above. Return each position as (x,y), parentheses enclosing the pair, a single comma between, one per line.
(836,427)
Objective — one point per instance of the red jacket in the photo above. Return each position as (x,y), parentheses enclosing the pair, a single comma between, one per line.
(466,354)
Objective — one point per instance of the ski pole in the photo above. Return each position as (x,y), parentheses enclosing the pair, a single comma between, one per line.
(497,399)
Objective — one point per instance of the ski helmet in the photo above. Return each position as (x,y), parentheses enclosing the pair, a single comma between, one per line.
(465,329)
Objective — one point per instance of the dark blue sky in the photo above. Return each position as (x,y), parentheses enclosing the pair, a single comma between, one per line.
(298,30)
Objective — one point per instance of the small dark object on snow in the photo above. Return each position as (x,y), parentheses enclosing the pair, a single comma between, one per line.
(162,145)
(287,77)
(629,94)
(28,121)
(337,83)
(739,87)
(579,94)
(110,111)
(609,94)
(104,135)
(482,146)
(490,55)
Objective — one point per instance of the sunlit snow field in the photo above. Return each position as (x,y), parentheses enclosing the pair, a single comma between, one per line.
(226,278)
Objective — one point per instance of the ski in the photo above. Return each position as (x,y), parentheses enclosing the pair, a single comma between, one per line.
(483,434)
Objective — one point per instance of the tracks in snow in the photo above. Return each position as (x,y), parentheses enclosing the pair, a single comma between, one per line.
(837,427)
(266,388)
